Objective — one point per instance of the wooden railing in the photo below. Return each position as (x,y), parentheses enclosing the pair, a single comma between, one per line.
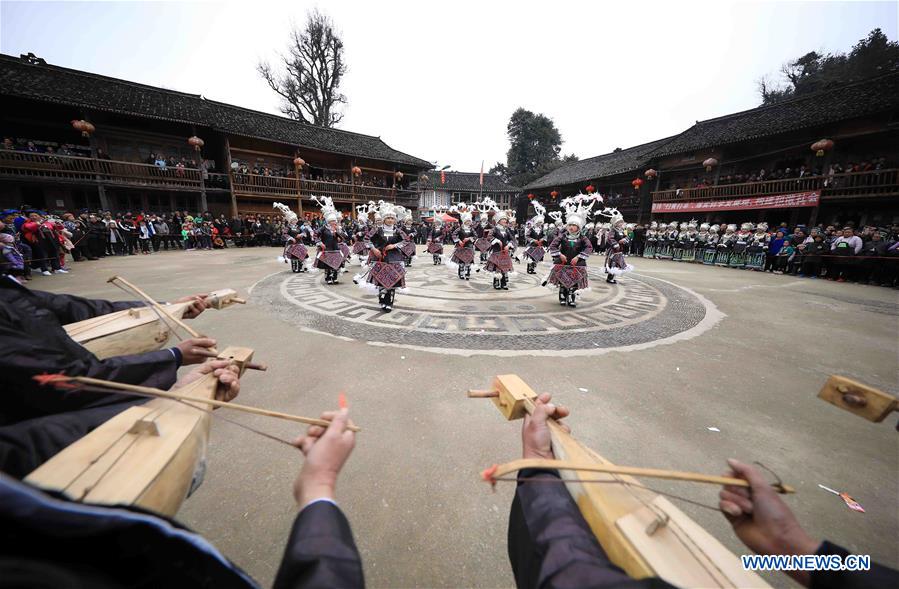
(66,168)
(288,187)
(851,185)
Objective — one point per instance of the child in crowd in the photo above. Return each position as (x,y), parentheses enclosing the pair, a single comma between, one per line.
(144,237)
(785,257)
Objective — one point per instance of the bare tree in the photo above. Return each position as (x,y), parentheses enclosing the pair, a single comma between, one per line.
(313,69)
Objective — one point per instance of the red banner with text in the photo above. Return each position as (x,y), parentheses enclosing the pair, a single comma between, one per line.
(779,201)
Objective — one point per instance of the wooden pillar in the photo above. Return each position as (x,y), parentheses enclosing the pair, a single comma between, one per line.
(230,177)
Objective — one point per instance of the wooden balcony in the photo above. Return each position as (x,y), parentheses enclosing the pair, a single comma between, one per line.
(877,183)
(65,169)
(289,188)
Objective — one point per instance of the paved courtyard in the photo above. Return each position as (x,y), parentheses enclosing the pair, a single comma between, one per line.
(648,367)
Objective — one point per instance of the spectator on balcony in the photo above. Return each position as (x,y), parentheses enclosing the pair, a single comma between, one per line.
(102,155)
(160,162)
(8,144)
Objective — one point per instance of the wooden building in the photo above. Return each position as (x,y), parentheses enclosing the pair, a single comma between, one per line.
(246,162)
(442,190)
(759,165)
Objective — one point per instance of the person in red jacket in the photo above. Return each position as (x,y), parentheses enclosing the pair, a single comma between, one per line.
(41,236)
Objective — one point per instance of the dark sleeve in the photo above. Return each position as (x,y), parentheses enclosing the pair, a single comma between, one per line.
(69,308)
(550,544)
(878,576)
(27,356)
(320,551)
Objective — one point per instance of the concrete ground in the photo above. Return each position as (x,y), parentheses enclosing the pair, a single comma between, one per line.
(420,515)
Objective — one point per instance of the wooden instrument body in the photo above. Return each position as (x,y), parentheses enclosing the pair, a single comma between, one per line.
(145,456)
(137,330)
(640,531)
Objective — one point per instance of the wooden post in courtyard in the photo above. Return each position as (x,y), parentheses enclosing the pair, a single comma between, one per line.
(230,177)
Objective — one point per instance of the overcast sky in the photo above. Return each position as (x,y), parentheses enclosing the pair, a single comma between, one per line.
(439,80)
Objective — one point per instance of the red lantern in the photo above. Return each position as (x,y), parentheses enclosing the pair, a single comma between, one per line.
(709,164)
(650,174)
(299,162)
(196,142)
(86,128)
(637,183)
(554,194)
(357,171)
(531,196)
(590,189)
(822,145)
(398,176)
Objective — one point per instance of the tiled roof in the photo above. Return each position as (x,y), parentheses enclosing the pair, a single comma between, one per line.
(39,81)
(859,99)
(467,182)
(617,162)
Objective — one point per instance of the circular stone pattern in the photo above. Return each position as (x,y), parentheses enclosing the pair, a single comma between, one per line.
(441,313)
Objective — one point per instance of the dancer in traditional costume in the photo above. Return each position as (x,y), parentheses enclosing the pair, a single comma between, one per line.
(570,252)
(330,257)
(739,246)
(408,232)
(689,241)
(652,240)
(724,246)
(482,243)
(360,250)
(389,271)
(616,259)
(463,254)
(502,245)
(711,246)
(435,240)
(535,239)
(295,252)
(758,248)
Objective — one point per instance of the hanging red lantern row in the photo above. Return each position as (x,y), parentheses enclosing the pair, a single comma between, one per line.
(299,162)
(822,145)
(357,171)
(442,177)
(86,128)
(590,189)
(554,195)
(650,174)
(709,164)
(196,142)
(637,183)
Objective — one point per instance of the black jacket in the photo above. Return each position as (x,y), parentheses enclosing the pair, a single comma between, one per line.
(550,545)
(380,239)
(49,541)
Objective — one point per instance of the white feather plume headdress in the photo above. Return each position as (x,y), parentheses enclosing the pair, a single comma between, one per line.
(289,216)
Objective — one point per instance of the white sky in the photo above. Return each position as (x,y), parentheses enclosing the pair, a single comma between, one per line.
(439,80)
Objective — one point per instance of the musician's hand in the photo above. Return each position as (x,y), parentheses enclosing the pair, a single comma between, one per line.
(226,373)
(761,520)
(536,441)
(197,304)
(326,451)
(195,350)
(563,259)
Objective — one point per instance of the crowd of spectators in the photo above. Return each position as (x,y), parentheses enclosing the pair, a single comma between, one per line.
(843,253)
(789,172)
(34,242)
